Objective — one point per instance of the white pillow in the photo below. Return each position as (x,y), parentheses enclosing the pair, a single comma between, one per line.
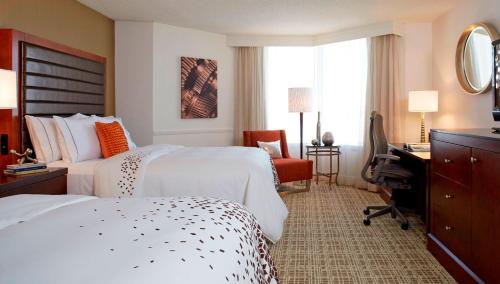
(77,139)
(273,148)
(43,136)
(60,139)
(109,119)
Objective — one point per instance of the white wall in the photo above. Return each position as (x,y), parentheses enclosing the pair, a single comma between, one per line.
(170,44)
(456,108)
(417,72)
(134,78)
(148,83)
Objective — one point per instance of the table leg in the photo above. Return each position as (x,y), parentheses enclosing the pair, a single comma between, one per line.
(338,170)
(317,172)
(331,171)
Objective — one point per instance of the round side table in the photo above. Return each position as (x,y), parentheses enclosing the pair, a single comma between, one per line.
(325,151)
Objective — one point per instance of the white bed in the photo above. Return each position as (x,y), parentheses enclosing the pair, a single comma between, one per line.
(84,239)
(238,174)
(80,175)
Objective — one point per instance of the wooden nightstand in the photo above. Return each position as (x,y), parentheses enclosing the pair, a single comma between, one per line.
(51,182)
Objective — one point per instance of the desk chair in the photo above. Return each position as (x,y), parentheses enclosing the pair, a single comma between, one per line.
(381,169)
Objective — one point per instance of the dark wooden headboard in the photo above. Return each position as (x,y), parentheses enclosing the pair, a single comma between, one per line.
(57,83)
(53,79)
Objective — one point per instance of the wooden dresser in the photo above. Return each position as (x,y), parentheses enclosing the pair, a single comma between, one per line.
(465,203)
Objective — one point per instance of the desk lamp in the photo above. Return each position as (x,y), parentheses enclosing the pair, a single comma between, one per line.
(423,101)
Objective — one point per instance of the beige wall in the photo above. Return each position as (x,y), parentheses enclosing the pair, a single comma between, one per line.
(417,72)
(67,22)
(456,108)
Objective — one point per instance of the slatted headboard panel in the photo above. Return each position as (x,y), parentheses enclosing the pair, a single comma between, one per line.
(57,83)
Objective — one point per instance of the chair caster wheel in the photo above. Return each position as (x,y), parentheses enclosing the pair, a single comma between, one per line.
(366,222)
(366,211)
(405,226)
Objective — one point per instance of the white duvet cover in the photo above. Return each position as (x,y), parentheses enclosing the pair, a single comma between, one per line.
(74,239)
(240,174)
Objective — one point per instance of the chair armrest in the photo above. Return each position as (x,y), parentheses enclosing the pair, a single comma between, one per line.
(387,157)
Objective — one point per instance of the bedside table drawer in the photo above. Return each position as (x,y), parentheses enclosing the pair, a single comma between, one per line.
(52,186)
(52,182)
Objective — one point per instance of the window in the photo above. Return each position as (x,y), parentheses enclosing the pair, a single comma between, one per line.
(337,72)
(288,67)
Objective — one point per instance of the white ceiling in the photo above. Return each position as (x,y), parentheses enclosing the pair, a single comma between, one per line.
(271,17)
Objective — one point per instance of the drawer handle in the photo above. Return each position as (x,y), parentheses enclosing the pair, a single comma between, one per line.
(447,161)
(448,196)
(448,228)
(473,160)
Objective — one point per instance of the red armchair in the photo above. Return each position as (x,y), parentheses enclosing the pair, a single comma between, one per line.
(288,168)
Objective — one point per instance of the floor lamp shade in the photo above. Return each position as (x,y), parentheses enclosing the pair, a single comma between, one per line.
(8,89)
(300,100)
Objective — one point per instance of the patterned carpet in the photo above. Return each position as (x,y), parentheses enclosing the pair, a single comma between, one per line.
(325,242)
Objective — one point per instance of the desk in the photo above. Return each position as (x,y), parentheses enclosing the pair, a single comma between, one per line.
(419,163)
(325,151)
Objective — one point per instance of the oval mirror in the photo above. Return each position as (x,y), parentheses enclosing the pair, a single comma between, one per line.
(474,58)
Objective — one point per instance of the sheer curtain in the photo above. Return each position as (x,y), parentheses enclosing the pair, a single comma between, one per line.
(338,74)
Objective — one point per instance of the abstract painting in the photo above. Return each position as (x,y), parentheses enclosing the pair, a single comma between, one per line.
(198,88)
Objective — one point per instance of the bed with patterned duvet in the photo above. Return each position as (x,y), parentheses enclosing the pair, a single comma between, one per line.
(85,239)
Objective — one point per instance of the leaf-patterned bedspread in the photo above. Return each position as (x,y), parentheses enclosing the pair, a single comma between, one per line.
(140,240)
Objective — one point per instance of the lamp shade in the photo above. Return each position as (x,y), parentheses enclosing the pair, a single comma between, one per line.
(300,100)
(423,101)
(8,89)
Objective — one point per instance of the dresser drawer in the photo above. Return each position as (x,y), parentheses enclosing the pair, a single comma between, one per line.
(450,196)
(452,230)
(451,161)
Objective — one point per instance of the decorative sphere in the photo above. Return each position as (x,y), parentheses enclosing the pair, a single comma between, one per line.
(328,139)
(315,142)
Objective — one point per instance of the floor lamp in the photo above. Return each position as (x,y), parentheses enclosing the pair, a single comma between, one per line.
(300,100)
(423,101)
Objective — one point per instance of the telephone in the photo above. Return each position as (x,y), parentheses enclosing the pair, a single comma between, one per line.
(418,147)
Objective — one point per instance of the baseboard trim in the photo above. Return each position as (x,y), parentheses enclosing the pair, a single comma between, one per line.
(451,262)
(192,131)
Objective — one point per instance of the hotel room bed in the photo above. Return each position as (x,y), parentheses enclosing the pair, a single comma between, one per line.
(59,120)
(238,174)
(84,239)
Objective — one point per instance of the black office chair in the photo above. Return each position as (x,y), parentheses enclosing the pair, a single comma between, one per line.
(381,169)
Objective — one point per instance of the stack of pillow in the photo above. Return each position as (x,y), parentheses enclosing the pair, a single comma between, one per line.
(77,138)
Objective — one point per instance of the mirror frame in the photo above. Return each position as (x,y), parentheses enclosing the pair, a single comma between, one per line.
(459,57)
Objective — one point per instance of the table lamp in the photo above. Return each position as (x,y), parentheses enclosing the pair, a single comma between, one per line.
(8,100)
(423,101)
(300,100)
(8,89)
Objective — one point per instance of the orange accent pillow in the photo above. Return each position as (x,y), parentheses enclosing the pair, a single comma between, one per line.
(111,138)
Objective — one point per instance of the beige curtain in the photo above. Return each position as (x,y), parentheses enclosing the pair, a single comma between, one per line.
(384,89)
(384,84)
(250,112)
